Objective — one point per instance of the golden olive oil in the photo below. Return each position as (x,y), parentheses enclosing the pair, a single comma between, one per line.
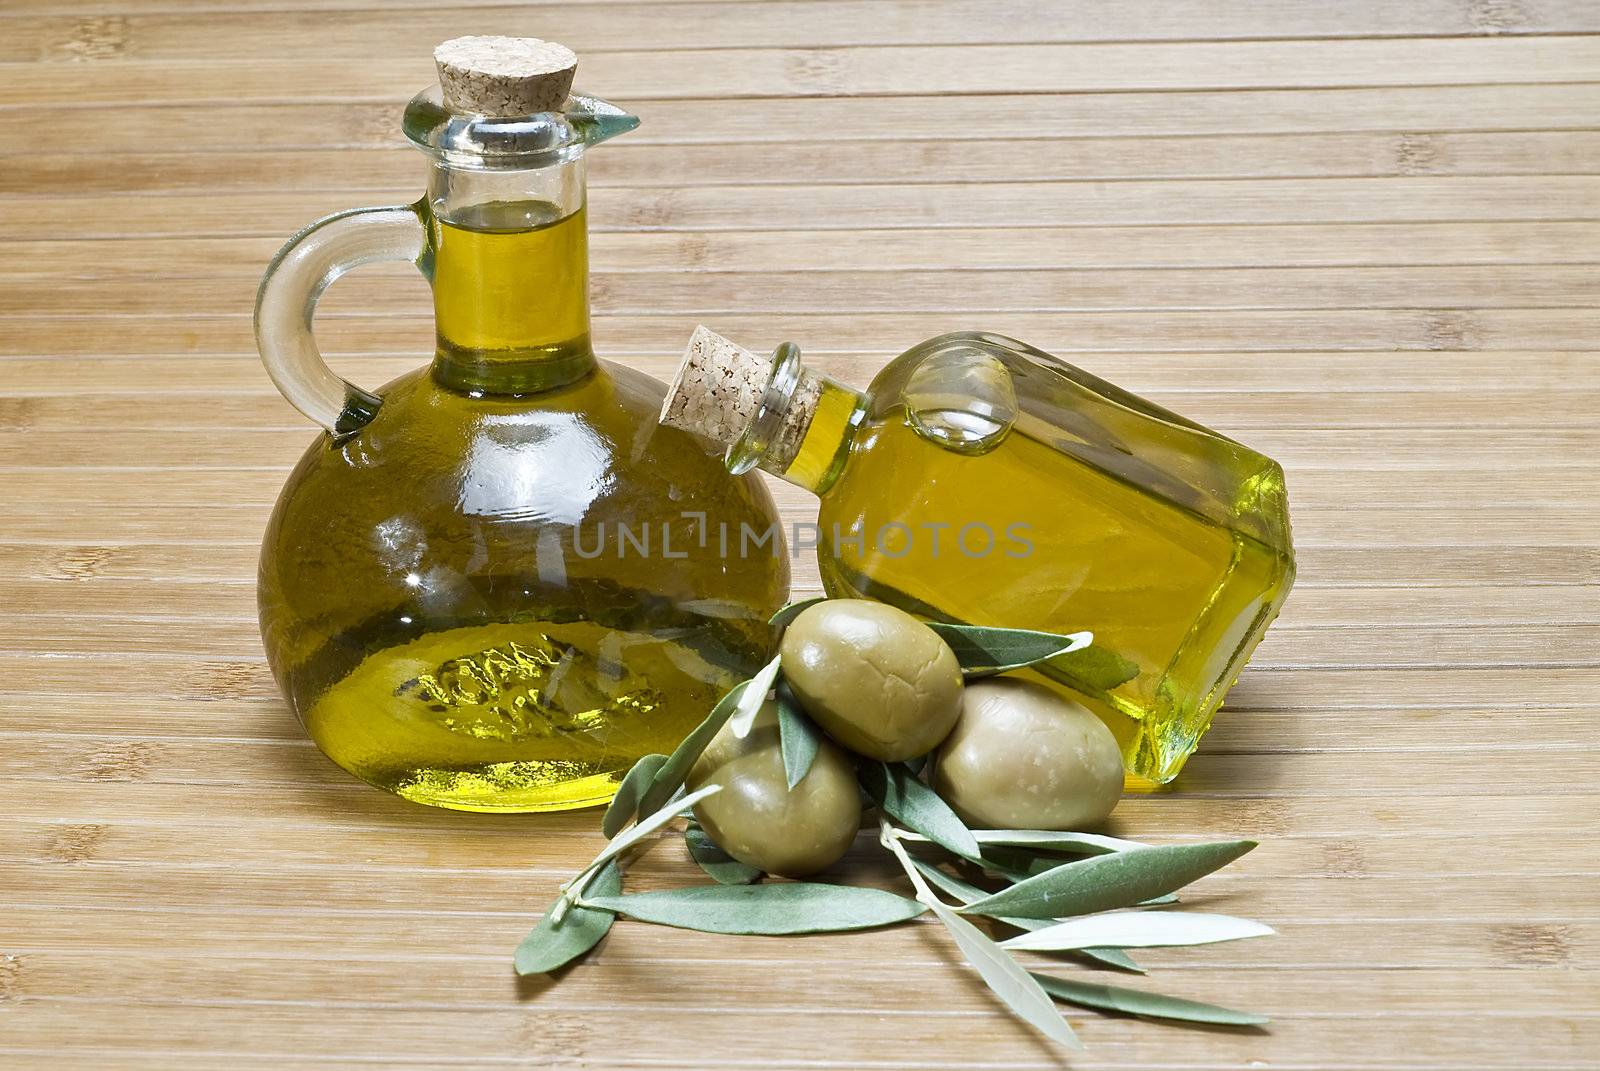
(1073,547)
(510,282)
(513,716)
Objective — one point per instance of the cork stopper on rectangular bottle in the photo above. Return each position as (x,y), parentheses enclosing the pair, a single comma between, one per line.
(504,76)
(717,395)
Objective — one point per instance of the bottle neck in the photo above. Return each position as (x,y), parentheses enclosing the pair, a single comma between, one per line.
(804,427)
(509,259)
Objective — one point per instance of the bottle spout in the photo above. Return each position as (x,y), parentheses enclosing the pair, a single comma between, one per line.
(594,120)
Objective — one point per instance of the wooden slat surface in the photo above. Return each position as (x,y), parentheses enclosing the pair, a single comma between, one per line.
(1359,235)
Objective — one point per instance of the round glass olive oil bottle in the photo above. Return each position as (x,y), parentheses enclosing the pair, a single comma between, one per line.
(488,585)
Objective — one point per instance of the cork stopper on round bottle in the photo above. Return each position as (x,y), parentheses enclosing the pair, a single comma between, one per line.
(717,395)
(504,76)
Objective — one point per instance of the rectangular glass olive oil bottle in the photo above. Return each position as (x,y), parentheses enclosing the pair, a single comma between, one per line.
(980,480)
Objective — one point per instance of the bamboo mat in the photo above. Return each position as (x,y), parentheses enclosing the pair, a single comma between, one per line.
(1358,235)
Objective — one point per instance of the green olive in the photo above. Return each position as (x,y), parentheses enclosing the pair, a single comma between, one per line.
(879,681)
(758,819)
(1023,757)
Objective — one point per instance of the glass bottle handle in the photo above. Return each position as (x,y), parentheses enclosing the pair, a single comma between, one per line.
(305,267)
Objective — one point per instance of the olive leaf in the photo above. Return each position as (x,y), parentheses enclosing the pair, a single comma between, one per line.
(553,944)
(1010,982)
(1114,958)
(912,803)
(1017,854)
(1014,986)
(798,738)
(1138,929)
(1138,1002)
(755,694)
(1020,864)
(1055,840)
(794,610)
(669,778)
(1092,671)
(1105,882)
(966,892)
(790,907)
(625,804)
(984,651)
(1025,865)
(722,867)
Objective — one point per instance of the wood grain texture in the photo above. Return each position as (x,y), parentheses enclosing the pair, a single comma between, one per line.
(1359,235)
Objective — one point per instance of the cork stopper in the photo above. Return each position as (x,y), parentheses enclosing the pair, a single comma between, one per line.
(504,76)
(717,395)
